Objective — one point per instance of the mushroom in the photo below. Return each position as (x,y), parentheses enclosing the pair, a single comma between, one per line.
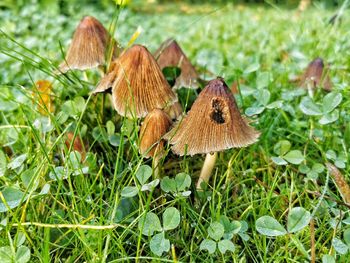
(138,85)
(213,124)
(170,54)
(89,46)
(315,75)
(156,124)
(77,144)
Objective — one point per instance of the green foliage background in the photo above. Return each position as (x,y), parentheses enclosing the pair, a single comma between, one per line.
(263,45)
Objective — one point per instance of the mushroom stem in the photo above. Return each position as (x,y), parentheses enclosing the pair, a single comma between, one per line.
(101,70)
(207,168)
(156,165)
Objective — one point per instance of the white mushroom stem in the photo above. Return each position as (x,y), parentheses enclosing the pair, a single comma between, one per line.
(207,168)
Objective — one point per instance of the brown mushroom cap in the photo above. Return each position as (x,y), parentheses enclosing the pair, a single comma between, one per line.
(155,125)
(213,124)
(315,76)
(78,144)
(89,45)
(170,54)
(139,85)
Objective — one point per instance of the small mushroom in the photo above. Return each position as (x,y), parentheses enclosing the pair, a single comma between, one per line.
(170,54)
(213,124)
(89,46)
(316,75)
(156,124)
(138,85)
(77,144)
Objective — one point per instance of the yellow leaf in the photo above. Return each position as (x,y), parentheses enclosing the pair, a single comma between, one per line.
(42,96)
(122,2)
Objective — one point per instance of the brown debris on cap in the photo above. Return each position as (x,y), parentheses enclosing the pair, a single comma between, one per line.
(174,110)
(170,54)
(89,45)
(316,75)
(139,85)
(155,125)
(213,124)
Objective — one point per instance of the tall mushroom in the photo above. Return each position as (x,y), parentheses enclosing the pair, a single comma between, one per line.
(138,85)
(316,75)
(89,46)
(170,54)
(213,124)
(156,124)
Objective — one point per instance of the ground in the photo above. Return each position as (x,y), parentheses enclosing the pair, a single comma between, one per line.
(274,200)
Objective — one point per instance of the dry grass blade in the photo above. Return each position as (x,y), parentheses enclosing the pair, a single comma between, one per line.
(312,237)
(72,226)
(340,182)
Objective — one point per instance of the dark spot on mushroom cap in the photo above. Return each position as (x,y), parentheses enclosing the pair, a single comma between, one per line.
(217,114)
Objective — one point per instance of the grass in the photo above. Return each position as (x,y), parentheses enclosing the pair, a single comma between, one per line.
(68,210)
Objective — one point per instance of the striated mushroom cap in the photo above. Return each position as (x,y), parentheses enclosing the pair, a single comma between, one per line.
(89,45)
(213,124)
(315,75)
(153,128)
(139,85)
(170,54)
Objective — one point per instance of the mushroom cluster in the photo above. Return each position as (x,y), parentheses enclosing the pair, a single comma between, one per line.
(140,90)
